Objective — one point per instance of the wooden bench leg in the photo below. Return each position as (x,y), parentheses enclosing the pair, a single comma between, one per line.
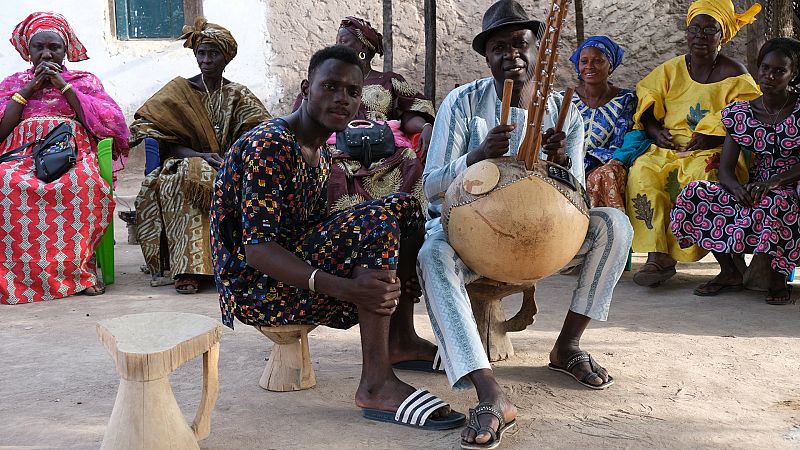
(493,327)
(490,317)
(289,367)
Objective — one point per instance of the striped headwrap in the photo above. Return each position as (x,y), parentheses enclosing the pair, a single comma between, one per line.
(363,30)
(204,32)
(39,22)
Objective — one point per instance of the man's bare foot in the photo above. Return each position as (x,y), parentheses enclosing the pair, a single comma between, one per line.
(560,357)
(388,396)
(489,392)
(412,348)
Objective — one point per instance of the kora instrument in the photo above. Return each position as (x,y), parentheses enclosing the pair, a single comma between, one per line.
(520,219)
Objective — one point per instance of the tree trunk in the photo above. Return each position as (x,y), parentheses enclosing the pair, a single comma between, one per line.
(579,23)
(430,49)
(756,36)
(782,19)
(387,36)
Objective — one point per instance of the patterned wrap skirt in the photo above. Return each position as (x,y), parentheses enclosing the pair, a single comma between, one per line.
(707,215)
(49,231)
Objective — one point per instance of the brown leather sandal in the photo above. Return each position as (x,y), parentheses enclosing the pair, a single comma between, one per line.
(655,277)
(97,289)
(186,285)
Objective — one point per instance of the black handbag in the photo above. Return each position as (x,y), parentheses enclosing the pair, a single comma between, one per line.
(366,141)
(53,155)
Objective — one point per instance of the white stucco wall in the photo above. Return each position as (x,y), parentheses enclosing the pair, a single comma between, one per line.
(133,70)
(277,37)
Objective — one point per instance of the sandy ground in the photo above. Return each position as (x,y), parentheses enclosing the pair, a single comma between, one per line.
(690,372)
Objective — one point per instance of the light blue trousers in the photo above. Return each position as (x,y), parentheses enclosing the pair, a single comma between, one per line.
(443,277)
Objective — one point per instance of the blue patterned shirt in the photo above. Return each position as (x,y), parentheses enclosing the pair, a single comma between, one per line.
(605,127)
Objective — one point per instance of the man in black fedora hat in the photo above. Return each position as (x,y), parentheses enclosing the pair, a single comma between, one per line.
(468,130)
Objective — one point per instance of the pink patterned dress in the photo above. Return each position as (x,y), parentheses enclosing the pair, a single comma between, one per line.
(49,231)
(706,214)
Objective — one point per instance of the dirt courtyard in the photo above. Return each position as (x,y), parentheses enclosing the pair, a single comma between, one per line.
(690,372)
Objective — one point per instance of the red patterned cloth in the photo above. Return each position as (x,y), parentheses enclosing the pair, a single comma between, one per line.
(47,21)
(48,231)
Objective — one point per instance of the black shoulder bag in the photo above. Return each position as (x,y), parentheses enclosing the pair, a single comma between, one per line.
(53,155)
(366,141)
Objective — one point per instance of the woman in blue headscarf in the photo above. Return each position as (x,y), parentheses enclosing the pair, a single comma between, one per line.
(607,112)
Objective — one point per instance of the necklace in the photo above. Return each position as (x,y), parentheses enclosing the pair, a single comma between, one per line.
(708,75)
(598,101)
(214,110)
(774,121)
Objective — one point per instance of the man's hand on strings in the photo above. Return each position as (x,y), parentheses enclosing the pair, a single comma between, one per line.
(553,146)
(494,146)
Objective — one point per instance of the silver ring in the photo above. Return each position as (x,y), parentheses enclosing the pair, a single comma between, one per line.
(396,302)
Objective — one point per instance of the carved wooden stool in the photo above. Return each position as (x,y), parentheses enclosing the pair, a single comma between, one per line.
(289,366)
(485,296)
(146,348)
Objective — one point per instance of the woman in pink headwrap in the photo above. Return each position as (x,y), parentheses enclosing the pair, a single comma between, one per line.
(49,231)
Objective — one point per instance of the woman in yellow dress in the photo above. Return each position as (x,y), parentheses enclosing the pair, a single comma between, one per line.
(679,109)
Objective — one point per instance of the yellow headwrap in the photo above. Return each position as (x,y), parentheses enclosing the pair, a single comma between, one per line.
(722,11)
(205,32)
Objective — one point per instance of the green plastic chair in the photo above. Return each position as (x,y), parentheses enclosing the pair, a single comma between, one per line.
(105,250)
(629,264)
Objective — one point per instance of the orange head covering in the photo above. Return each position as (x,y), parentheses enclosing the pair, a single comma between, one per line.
(47,21)
(722,11)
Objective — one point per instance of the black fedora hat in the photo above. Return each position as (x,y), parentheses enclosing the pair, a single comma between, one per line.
(501,14)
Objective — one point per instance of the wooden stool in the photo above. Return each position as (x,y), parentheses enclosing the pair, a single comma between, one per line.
(289,366)
(146,348)
(485,296)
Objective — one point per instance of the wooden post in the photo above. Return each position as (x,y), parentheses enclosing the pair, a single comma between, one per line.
(430,49)
(579,23)
(388,42)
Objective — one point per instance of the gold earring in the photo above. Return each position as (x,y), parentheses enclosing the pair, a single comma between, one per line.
(362,55)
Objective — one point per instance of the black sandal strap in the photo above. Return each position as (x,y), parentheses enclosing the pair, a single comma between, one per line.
(473,424)
(589,376)
(578,358)
(488,408)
